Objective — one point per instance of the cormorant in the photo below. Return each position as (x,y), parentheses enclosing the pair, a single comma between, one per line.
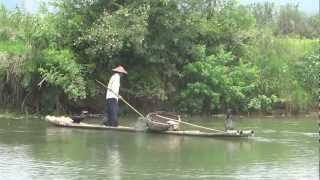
(228,124)
(78,119)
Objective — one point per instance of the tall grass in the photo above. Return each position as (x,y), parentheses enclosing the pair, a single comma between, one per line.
(276,58)
(12,47)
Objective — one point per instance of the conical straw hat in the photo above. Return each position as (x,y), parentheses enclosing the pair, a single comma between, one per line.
(120,69)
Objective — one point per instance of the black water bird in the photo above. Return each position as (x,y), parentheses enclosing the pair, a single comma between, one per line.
(228,123)
(79,118)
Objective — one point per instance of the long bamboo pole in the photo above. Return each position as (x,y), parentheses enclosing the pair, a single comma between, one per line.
(120,97)
(190,124)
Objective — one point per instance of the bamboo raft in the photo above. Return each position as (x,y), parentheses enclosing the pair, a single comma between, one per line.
(68,123)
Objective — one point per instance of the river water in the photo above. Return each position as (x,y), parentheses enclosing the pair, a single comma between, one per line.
(283,148)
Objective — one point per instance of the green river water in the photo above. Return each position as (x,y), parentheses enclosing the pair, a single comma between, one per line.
(283,148)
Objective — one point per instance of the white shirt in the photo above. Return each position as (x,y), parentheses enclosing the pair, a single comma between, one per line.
(114,85)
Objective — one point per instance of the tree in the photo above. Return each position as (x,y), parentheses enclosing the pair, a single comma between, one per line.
(218,82)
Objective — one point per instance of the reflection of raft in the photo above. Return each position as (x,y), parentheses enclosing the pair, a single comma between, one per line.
(67,122)
(157,121)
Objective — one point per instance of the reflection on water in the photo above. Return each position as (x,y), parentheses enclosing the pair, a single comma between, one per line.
(280,150)
(159,143)
(114,169)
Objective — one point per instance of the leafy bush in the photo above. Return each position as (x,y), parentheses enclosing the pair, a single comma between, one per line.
(60,69)
(217,82)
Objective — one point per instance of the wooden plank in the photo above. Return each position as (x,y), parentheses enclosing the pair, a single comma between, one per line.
(67,122)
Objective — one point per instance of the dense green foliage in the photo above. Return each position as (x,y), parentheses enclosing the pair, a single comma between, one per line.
(193,56)
(218,82)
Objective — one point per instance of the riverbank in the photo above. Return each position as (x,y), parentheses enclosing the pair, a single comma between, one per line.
(17,115)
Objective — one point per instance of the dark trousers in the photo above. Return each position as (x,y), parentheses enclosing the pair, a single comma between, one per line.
(112,112)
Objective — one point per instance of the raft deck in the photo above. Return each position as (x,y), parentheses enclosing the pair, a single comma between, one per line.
(68,123)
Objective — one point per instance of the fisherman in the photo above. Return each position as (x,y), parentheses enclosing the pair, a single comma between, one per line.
(228,124)
(112,97)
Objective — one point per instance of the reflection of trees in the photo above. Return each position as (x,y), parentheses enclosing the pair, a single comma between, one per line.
(81,144)
(21,131)
(159,142)
(110,151)
(93,153)
(68,153)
